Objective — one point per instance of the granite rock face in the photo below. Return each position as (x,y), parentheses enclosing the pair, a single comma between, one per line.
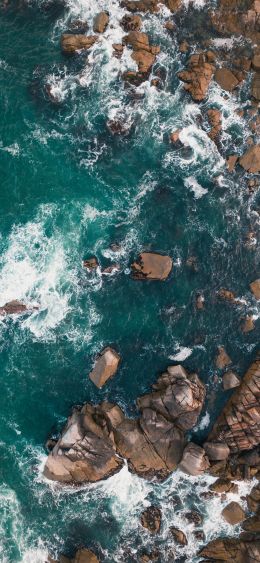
(232,550)
(105,367)
(71,43)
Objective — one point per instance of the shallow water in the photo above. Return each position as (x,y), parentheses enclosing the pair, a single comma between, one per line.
(69,189)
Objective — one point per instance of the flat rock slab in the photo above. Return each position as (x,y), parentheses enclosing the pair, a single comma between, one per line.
(13,308)
(250,161)
(152,266)
(233,513)
(226,79)
(105,367)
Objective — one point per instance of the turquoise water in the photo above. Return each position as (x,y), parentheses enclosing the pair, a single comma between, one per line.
(69,189)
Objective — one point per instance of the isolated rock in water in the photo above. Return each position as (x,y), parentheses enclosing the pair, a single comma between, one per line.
(152,266)
(233,513)
(255,288)
(250,161)
(226,79)
(222,358)
(216,451)
(101,22)
(226,295)
(82,556)
(91,263)
(131,23)
(248,324)
(175,136)
(71,43)
(215,120)
(232,550)
(194,460)
(230,380)
(238,425)
(224,486)
(178,536)
(105,367)
(151,519)
(13,308)
(198,75)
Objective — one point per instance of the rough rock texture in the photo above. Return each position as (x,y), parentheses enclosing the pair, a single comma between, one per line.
(255,288)
(222,359)
(105,367)
(194,460)
(151,266)
(231,162)
(131,23)
(198,75)
(226,79)
(96,439)
(82,556)
(216,451)
(230,380)
(256,86)
(70,43)
(215,120)
(13,308)
(178,536)
(224,486)
(101,22)
(151,519)
(232,550)
(151,6)
(233,513)
(250,161)
(238,426)
(226,295)
(143,53)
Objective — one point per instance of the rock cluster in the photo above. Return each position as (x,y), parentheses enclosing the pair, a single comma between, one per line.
(198,75)
(97,439)
(143,54)
(71,43)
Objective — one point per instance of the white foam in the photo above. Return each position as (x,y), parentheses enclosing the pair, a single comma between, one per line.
(195,187)
(182,354)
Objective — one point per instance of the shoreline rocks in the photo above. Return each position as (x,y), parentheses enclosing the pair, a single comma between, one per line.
(14,307)
(71,43)
(198,75)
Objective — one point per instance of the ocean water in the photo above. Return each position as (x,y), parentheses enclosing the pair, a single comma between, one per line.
(70,189)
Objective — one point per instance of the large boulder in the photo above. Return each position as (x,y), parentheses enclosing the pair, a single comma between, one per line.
(151,266)
(71,43)
(131,23)
(232,550)
(230,380)
(101,22)
(233,513)
(226,79)
(250,161)
(194,460)
(198,76)
(14,307)
(83,555)
(178,535)
(216,451)
(105,367)
(151,519)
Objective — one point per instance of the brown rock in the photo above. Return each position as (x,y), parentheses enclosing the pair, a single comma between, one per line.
(256,61)
(70,43)
(143,59)
(178,535)
(250,161)
(226,295)
(13,308)
(255,288)
(175,136)
(105,367)
(222,359)
(256,86)
(224,486)
(194,517)
(101,22)
(131,23)
(231,162)
(253,499)
(197,77)
(230,380)
(226,79)
(233,513)
(252,524)
(200,300)
(184,47)
(91,263)
(232,550)
(141,5)
(194,460)
(216,451)
(85,556)
(151,519)
(151,266)
(215,120)
(169,25)
(248,324)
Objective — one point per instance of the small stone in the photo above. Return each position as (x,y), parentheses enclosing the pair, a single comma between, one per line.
(184,47)
(91,263)
(226,295)
(194,517)
(248,324)
(256,61)
(233,513)
(199,535)
(230,380)
(175,136)
(255,288)
(200,300)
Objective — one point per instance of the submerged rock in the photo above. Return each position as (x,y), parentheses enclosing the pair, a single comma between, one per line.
(14,307)
(91,263)
(131,23)
(71,43)
(105,367)
(152,266)
(151,519)
(82,556)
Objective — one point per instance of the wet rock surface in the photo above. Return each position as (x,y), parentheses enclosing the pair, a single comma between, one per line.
(152,266)
(71,43)
(151,519)
(105,367)
(198,76)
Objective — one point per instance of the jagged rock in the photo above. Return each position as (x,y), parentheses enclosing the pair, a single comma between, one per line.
(151,519)
(71,43)
(118,49)
(194,460)
(199,535)
(200,300)
(101,22)
(238,425)
(256,61)
(105,367)
(178,536)
(141,5)
(151,266)
(78,26)
(215,120)
(231,162)
(175,136)
(226,79)
(184,47)
(255,288)
(82,556)
(131,23)
(143,53)
(233,513)
(222,359)
(144,60)
(224,486)
(194,517)
(226,295)
(90,263)
(216,451)
(252,524)
(230,380)
(14,307)
(197,77)
(256,86)
(250,161)
(232,550)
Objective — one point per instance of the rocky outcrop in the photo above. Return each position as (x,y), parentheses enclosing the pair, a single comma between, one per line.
(151,6)
(228,549)
(215,121)
(216,451)
(230,380)
(233,513)
(237,17)
(101,22)
(105,367)
(250,161)
(143,53)
(97,439)
(194,460)
(198,75)
(255,288)
(13,308)
(82,556)
(151,519)
(224,486)
(226,79)
(71,43)
(152,266)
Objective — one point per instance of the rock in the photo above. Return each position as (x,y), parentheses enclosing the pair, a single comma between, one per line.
(226,295)
(169,25)
(101,22)
(252,524)
(256,86)
(91,263)
(184,47)
(226,79)
(144,60)
(232,550)
(255,288)
(85,556)
(111,269)
(192,263)
(178,535)
(253,499)
(248,324)
(224,486)
(78,26)
(71,43)
(175,136)
(141,5)
(14,307)
(216,451)
(197,77)
(256,61)
(118,49)
(222,359)
(151,519)
(233,513)
(231,162)
(238,424)
(194,517)
(215,120)
(131,23)
(105,367)
(151,266)
(143,53)
(200,300)
(250,161)
(137,40)
(230,380)
(199,535)
(194,460)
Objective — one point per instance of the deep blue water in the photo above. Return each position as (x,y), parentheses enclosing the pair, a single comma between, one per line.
(69,189)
